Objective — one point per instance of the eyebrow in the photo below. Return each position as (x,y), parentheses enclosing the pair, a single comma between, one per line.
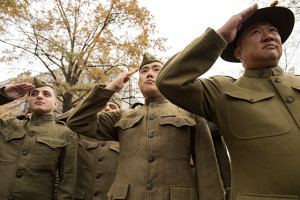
(147,67)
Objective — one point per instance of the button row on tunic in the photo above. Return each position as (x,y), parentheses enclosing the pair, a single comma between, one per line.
(289,100)
(149,186)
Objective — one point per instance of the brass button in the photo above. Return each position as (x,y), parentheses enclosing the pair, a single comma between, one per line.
(150,135)
(149,186)
(19,175)
(289,100)
(151,118)
(98,176)
(99,159)
(31,134)
(36,123)
(278,69)
(251,99)
(150,159)
(178,123)
(96,194)
(11,198)
(260,73)
(24,153)
(277,80)
(152,105)
(103,144)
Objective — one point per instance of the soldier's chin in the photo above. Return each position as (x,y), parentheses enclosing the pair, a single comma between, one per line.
(38,111)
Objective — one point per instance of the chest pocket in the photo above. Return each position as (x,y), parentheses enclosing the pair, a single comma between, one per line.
(87,153)
(11,139)
(255,115)
(176,136)
(129,134)
(47,153)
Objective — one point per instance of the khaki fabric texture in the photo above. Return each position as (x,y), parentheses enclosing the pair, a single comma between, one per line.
(258,115)
(156,142)
(30,152)
(97,166)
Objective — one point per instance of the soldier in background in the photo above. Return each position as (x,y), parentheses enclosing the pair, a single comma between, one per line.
(97,160)
(31,150)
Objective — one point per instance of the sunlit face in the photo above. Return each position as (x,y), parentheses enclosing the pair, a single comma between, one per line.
(147,79)
(259,46)
(42,101)
(110,106)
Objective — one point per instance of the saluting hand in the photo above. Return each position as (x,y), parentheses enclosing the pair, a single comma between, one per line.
(118,83)
(18,90)
(229,30)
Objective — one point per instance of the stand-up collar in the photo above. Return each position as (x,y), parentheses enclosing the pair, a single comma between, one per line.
(160,99)
(42,118)
(264,73)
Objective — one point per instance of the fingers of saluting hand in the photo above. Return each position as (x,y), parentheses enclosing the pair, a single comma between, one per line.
(248,12)
(25,87)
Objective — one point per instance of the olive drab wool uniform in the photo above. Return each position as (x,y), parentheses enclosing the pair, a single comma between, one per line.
(97,163)
(97,166)
(156,141)
(31,150)
(258,115)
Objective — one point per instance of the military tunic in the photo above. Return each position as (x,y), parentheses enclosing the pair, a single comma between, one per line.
(156,141)
(30,153)
(97,166)
(258,115)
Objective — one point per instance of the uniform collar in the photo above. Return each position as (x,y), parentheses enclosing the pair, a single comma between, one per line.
(160,99)
(42,118)
(264,73)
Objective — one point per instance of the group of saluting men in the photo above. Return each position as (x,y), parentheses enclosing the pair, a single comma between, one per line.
(258,115)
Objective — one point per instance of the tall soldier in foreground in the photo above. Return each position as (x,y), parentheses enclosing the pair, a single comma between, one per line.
(258,114)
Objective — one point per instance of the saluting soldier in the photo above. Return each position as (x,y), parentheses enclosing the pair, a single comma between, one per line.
(259,113)
(31,150)
(156,141)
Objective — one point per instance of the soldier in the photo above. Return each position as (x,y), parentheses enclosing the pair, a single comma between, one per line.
(258,114)
(155,142)
(97,162)
(31,150)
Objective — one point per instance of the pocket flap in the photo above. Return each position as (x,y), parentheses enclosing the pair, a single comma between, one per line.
(13,132)
(118,190)
(297,87)
(126,123)
(114,146)
(177,121)
(251,97)
(51,142)
(88,143)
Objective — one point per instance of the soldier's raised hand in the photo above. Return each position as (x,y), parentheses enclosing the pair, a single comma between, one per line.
(18,90)
(118,83)
(229,30)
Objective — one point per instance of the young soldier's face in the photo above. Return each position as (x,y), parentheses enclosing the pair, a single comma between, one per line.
(110,106)
(42,101)
(259,46)
(147,79)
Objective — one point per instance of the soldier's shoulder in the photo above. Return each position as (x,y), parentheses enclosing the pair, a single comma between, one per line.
(220,78)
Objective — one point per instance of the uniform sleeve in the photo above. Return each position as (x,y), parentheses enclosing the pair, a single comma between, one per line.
(85,119)
(209,182)
(67,169)
(3,97)
(180,75)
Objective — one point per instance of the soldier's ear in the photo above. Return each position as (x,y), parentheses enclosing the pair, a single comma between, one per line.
(237,53)
(56,103)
